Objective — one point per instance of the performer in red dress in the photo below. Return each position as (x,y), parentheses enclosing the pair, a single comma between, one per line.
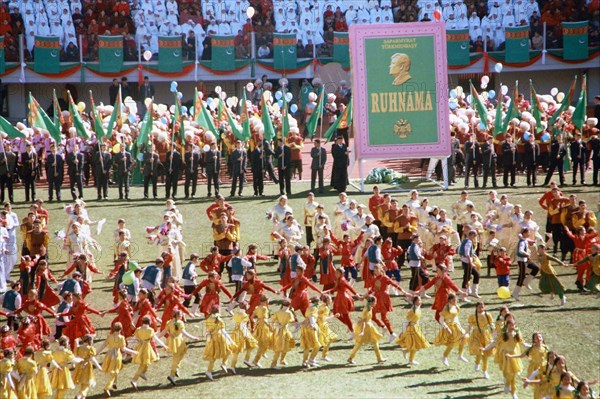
(383,306)
(213,261)
(299,294)
(582,241)
(27,335)
(43,276)
(213,287)
(253,256)
(33,307)
(169,297)
(143,307)
(444,285)
(124,313)
(347,249)
(343,303)
(255,288)
(326,254)
(80,324)
(309,261)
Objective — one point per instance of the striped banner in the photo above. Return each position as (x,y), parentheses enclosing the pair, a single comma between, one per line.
(169,54)
(575,40)
(284,51)
(46,54)
(110,53)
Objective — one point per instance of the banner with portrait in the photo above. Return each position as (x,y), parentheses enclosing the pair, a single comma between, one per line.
(400,90)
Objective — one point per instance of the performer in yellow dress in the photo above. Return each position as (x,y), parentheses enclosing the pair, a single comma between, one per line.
(242,336)
(113,361)
(509,345)
(481,326)
(326,335)
(218,345)
(283,341)
(7,385)
(262,330)
(452,334)
(309,334)
(84,375)
(27,369)
(43,358)
(549,283)
(412,339)
(538,354)
(60,377)
(366,333)
(146,354)
(175,342)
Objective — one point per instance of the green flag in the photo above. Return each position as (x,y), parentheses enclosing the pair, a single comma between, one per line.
(517,44)
(98,129)
(146,127)
(234,128)
(245,119)
(284,51)
(498,120)
(313,121)
(579,114)
(47,54)
(457,45)
(536,108)
(115,117)
(575,40)
(76,118)
(513,111)
(11,131)
(38,118)
(110,53)
(2,56)
(222,53)
(341,50)
(477,104)
(269,133)
(285,121)
(203,118)
(58,119)
(343,122)
(169,54)
(565,102)
(178,122)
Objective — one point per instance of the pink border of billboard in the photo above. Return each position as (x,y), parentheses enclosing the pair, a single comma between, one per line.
(358,34)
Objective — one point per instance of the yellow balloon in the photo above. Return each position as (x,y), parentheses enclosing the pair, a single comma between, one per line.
(116,148)
(503,292)
(81,106)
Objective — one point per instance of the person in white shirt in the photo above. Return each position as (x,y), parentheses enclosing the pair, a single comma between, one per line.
(339,212)
(460,207)
(189,281)
(504,211)
(414,201)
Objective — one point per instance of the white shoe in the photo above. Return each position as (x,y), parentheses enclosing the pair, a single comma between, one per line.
(463,359)
(143,377)
(506,389)
(306,365)
(351,361)
(468,290)
(313,362)
(393,336)
(445,361)
(477,367)
(278,367)
(404,353)
(395,291)
(486,375)
(326,358)
(224,368)
(257,365)
(266,356)
(383,360)
(515,396)
(425,295)
(413,362)
(232,369)
(283,362)
(465,299)
(209,375)
(563,301)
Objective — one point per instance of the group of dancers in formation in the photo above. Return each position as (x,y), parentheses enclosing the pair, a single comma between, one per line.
(374,246)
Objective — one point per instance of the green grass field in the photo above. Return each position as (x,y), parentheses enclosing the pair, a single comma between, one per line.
(572,330)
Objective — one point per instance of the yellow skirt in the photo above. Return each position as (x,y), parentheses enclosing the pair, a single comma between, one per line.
(27,388)
(84,374)
(452,338)
(176,344)
(263,335)
(511,367)
(61,378)
(326,336)
(113,361)
(478,340)
(42,382)
(412,339)
(367,334)
(218,347)
(145,354)
(283,341)
(309,338)
(243,341)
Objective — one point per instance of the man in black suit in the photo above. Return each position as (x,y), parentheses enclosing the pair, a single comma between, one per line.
(558,151)
(8,164)
(339,172)
(113,91)
(509,161)
(102,163)
(55,170)
(238,159)
(257,159)
(472,160)
(451,162)
(319,157)
(146,91)
(579,158)
(75,163)
(489,161)
(593,145)
(124,163)
(29,160)
(212,162)
(531,158)
(284,170)
(192,163)
(151,163)
(173,171)
(268,161)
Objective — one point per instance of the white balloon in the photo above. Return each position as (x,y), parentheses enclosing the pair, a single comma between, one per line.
(250,12)
(218,89)
(206,148)
(554,91)
(498,67)
(485,79)
(147,55)
(223,95)
(504,89)
(289,96)
(250,87)
(560,96)
(484,86)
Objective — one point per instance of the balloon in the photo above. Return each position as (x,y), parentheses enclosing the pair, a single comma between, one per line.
(116,148)
(250,12)
(184,109)
(223,95)
(163,120)
(294,108)
(469,98)
(147,102)
(191,111)
(491,94)
(503,292)
(278,95)
(459,91)
(206,148)
(173,88)
(140,156)
(147,55)
(484,86)
(560,96)
(218,89)
(485,79)
(209,101)
(133,265)
(526,136)
(172,109)
(504,89)
(250,87)
(289,96)
(484,95)
(81,106)
(453,93)
(280,103)
(174,83)
(128,277)
(179,95)
(437,15)
(498,67)
(545,137)
(482,125)
(554,91)
(453,104)
(131,118)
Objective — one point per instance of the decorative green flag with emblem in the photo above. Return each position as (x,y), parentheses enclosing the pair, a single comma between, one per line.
(110,53)
(223,53)
(115,120)
(203,117)
(565,102)
(498,125)
(341,49)
(575,40)
(234,126)
(146,127)
(517,44)
(178,129)
(457,44)
(269,133)
(169,54)
(76,118)
(536,108)
(11,131)
(285,120)
(37,117)
(313,121)
(513,111)
(579,114)
(477,104)
(244,118)
(2,60)
(98,129)
(47,54)
(343,122)
(284,51)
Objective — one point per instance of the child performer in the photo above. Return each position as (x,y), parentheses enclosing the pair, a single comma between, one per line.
(299,294)
(309,261)
(412,339)
(189,282)
(7,365)
(256,288)
(452,334)
(60,376)
(326,336)
(213,286)
(343,303)
(594,259)
(538,360)
(27,369)
(113,361)
(124,315)
(33,307)
(146,354)
(581,240)
(43,358)
(509,346)
(283,341)
(83,375)
(444,284)
(502,264)
(175,343)
(481,326)
(219,345)
(262,330)
(347,249)
(549,283)
(253,256)
(241,335)
(238,266)
(80,324)
(309,335)
(390,253)
(365,332)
